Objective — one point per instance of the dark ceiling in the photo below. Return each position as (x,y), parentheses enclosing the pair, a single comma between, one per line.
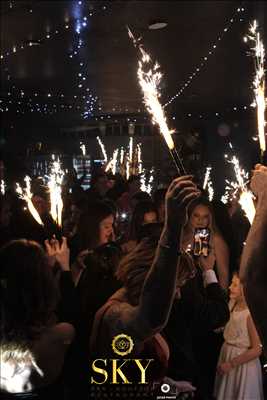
(111,60)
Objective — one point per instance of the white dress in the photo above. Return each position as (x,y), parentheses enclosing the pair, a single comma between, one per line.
(245,381)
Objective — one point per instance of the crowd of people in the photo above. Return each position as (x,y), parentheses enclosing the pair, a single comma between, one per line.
(128,262)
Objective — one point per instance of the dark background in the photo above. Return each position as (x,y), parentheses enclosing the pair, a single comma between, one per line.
(220,92)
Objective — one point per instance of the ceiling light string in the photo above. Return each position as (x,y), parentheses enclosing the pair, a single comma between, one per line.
(36,102)
(47,35)
(7,105)
(237,17)
(90,100)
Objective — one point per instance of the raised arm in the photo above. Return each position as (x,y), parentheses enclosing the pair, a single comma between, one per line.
(158,292)
(253,270)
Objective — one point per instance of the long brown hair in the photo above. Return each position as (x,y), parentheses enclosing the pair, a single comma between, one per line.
(89,225)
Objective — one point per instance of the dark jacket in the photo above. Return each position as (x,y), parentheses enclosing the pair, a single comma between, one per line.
(199,311)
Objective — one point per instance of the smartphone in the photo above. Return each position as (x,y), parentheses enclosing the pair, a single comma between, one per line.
(201,242)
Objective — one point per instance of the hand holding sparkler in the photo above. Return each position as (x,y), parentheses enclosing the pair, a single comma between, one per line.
(179,195)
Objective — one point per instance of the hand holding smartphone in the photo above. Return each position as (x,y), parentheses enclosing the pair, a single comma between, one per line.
(201,242)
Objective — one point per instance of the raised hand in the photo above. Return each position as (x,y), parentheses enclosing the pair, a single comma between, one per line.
(179,195)
(58,252)
(208,262)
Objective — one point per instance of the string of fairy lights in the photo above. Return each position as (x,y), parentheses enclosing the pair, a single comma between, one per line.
(50,33)
(90,101)
(237,16)
(83,101)
(25,105)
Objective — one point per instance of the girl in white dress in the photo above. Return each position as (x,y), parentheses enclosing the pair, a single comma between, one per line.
(239,375)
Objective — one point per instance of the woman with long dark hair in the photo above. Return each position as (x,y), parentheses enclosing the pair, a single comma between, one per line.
(93,270)
(144,213)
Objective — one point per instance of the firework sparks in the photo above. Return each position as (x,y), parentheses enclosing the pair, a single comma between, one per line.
(259,81)
(139,158)
(102,146)
(131,150)
(127,169)
(207,177)
(112,164)
(2,187)
(54,183)
(129,162)
(149,82)
(83,148)
(147,183)
(26,195)
(207,184)
(114,161)
(210,191)
(246,196)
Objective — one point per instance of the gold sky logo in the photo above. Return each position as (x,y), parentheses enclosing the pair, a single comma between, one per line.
(117,371)
(122,344)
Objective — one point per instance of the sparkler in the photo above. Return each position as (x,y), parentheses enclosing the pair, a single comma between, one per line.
(207,184)
(54,184)
(149,82)
(131,150)
(127,169)
(102,146)
(26,195)
(246,196)
(210,191)
(2,187)
(113,162)
(139,158)
(259,82)
(129,162)
(207,177)
(147,184)
(83,148)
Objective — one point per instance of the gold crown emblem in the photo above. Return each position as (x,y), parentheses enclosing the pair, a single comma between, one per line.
(122,344)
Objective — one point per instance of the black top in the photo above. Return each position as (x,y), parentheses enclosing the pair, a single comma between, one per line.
(200,310)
